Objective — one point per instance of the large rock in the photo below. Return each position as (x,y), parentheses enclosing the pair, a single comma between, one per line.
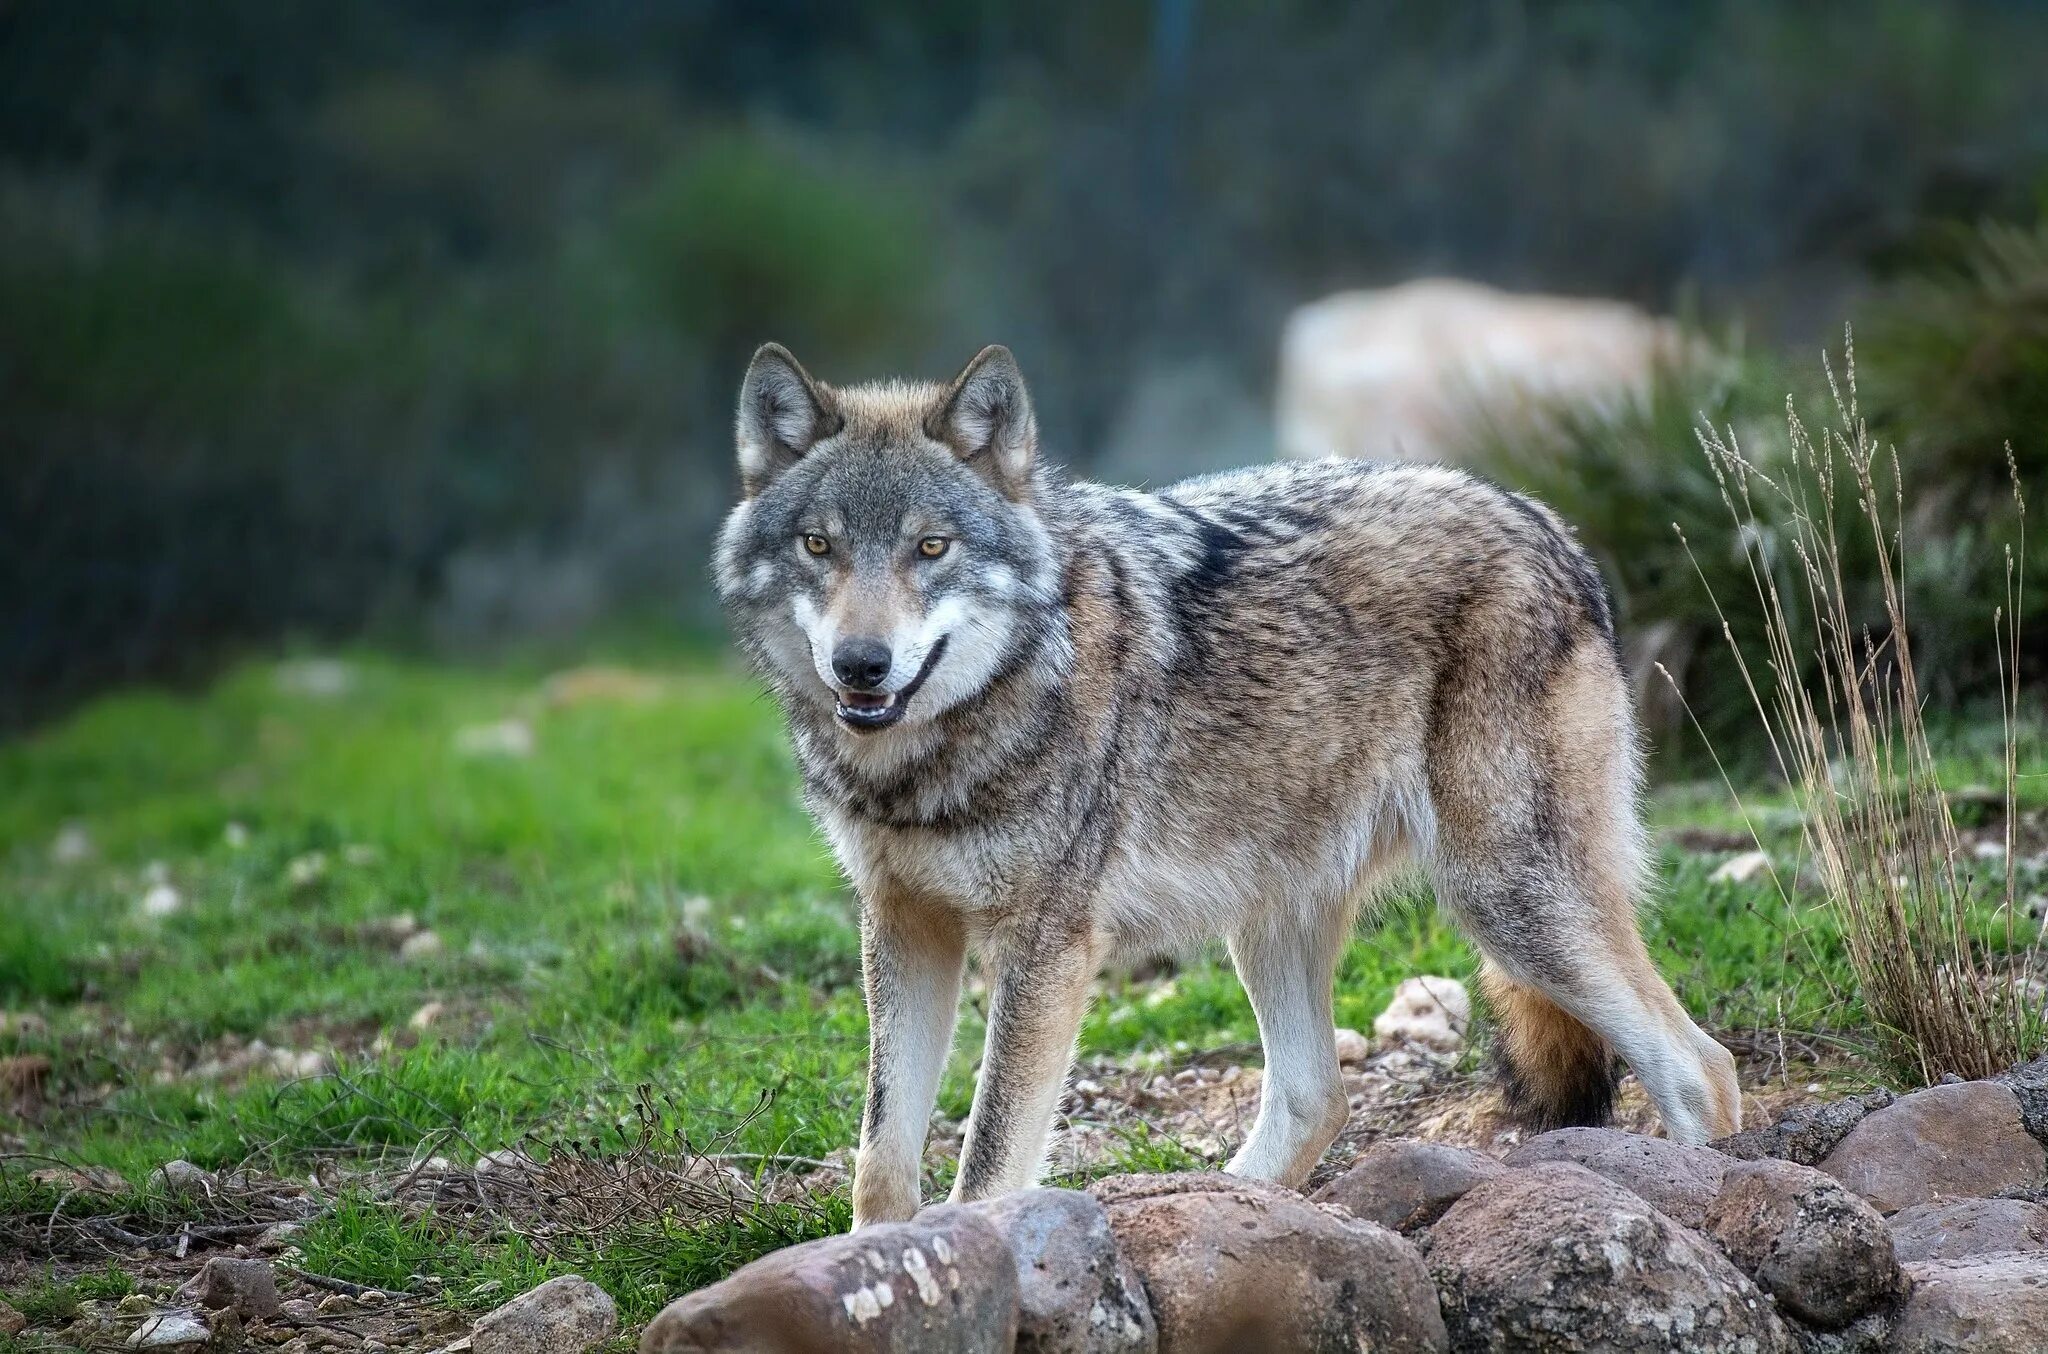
(562,1316)
(1408,1185)
(1233,1264)
(1554,1257)
(1965,1227)
(1677,1179)
(1412,372)
(248,1287)
(1989,1304)
(942,1282)
(1960,1141)
(1076,1292)
(1806,1132)
(1823,1253)
(2029,1082)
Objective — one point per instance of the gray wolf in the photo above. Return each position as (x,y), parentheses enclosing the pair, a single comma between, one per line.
(1057,724)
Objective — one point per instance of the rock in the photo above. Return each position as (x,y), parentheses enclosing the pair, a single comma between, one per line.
(1805,1133)
(1677,1179)
(1431,1011)
(307,870)
(2029,1082)
(1352,1047)
(249,1287)
(23,1025)
(161,900)
(1823,1253)
(1990,1304)
(72,845)
(165,1329)
(182,1177)
(1233,1264)
(1968,1227)
(944,1281)
(320,678)
(1960,1141)
(1554,1257)
(421,946)
(300,1310)
(1408,1185)
(563,1316)
(1741,869)
(23,1075)
(1076,1293)
(12,1322)
(504,738)
(1412,372)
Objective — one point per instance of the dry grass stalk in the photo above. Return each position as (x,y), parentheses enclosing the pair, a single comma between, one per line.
(1843,710)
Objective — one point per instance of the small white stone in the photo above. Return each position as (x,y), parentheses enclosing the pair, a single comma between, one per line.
(162,900)
(428,1015)
(504,738)
(169,1328)
(72,845)
(1740,869)
(1429,1010)
(1352,1047)
(420,945)
(235,836)
(307,870)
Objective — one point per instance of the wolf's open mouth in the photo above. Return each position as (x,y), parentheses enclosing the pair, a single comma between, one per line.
(869,710)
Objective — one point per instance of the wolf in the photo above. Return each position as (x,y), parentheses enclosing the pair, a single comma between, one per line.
(1062,725)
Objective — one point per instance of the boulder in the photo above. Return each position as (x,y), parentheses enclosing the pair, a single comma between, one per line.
(1823,1253)
(1989,1304)
(1232,1264)
(1805,1133)
(562,1316)
(1555,1257)
(248,1287)
(1076,1294)
(2029,1082)
(1677,1179)
(1964,1140)
(944,1281)
(1408,1185)
(1962,1228)
(1428,1011)
(1413,372)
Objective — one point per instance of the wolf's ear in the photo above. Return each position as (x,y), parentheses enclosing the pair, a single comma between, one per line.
(783,413)
(986,419)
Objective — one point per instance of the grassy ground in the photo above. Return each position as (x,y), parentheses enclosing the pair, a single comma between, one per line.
(640,955)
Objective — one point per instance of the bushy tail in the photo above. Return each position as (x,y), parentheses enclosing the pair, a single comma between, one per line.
(1558,1073)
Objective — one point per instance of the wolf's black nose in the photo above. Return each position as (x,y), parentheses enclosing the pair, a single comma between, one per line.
(862,664)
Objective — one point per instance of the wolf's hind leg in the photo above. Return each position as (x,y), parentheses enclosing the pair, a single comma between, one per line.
(1286,959)
(1569,980)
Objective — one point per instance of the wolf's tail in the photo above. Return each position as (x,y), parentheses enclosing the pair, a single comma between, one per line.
(1558,1073)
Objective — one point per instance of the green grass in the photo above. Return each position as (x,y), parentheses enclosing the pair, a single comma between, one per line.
(558,884)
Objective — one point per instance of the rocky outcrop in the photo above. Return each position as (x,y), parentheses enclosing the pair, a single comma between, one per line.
(1965,1140)
(1554,1257)
(1232,1265)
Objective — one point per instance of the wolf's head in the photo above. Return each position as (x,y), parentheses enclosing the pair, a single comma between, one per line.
(887,556)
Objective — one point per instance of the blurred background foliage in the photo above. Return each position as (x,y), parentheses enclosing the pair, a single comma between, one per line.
(421,320)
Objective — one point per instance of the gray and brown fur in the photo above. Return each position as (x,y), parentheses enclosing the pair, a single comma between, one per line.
(1230,708)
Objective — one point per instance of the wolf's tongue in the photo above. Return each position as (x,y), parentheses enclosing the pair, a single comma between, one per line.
(864,700)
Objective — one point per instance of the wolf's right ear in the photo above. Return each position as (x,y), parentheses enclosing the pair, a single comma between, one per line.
(783,413)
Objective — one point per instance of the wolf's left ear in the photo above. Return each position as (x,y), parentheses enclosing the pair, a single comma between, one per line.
(783,413)
(986,419)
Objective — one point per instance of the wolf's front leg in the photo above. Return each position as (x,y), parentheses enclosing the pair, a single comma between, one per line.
(1039,995)
(911,957)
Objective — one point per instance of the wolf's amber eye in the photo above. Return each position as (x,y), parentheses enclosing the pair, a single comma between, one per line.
(931,547)
(817,544)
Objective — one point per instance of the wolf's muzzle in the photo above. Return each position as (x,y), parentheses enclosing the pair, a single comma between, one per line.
(867,711)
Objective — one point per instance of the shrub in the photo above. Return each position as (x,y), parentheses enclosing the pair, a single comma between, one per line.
(1842,707)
